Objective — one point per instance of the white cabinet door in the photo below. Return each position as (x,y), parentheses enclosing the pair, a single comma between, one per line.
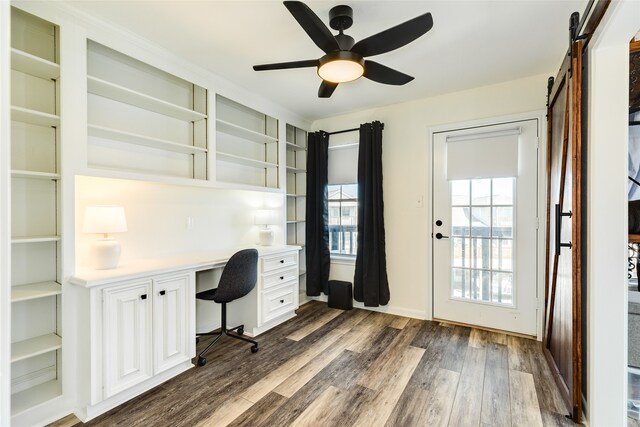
(127,336)
(171,314)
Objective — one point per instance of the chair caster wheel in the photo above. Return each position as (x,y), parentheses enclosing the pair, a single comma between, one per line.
(202,361)
(240,331)
(254,349)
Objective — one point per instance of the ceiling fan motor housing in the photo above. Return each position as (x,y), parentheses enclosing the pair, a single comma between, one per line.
(340,17)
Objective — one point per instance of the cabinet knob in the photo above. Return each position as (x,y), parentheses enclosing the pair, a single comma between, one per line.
(143,296)
(162,292)
(281,261)
(281,277)
(281,301)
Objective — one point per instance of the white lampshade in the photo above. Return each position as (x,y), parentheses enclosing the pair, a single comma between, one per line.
(104,220)
(265,217)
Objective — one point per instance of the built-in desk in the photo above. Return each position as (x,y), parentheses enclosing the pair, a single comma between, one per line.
(135,325)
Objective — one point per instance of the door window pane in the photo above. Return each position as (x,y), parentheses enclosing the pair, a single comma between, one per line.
(482,249)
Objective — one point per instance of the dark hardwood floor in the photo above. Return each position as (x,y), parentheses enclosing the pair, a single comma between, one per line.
(327,367)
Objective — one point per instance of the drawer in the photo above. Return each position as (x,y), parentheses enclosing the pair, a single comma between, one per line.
(279,301)
(275,279)
(274,262)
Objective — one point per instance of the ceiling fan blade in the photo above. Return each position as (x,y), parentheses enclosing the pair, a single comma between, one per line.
(286,65)
(383,74)
(313,26)
(394,37)
(326,89)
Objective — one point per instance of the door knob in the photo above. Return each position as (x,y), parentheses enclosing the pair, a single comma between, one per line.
(441,236)
(438,223)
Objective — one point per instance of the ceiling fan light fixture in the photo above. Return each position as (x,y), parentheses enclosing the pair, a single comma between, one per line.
(341,67)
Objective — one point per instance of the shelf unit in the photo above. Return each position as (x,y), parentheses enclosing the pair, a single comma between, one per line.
(36,293)
(296,156)
(142,119)
(246,145)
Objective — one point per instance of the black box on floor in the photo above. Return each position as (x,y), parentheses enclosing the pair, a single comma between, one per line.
(340,295)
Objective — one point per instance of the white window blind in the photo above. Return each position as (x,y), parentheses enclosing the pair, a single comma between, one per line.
(488,155)
(343,164)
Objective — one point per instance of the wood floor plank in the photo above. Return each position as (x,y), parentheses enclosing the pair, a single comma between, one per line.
(553,419)
(467,405)
(225,414)
(385,400)
(524,401)
(519,350)
(456,350)
(280,374)
(549,396)
(399,322)
(319,322)
(380,371)
(496,404)
(367,330)
(428,331)
(260,411)
(323,410)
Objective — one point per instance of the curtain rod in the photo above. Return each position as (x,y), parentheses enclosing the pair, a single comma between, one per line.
(348,130)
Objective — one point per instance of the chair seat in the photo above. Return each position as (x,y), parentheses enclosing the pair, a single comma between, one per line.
(209,294)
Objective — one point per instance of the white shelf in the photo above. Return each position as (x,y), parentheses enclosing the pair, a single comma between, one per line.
(295,221)
(241,132)
(295,170)
(122,94)
(245,161)
(296,195)
(35,239)
(35,290)
(294,147)
(147,141)
(34,346)
(34,175)
(34,65)
(34,396)
(34,117)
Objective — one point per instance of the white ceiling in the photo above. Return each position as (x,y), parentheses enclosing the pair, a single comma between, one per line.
(472,43)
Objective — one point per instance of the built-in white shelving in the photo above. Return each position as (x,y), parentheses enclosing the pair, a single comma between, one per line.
(143,120)
(247,138)
(295,170)
(35,346)
(244,133)
(34,175)
(35,291)
(34,117)
(34,65)
(296,157)
(295,147)
(245,161)
(128,96)
(133,138)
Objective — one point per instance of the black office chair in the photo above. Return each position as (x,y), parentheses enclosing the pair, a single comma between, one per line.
(238,278)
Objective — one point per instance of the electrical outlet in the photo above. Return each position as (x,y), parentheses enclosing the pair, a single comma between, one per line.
(420,201)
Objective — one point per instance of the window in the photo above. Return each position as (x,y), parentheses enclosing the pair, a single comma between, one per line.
(343,219)
(482,232)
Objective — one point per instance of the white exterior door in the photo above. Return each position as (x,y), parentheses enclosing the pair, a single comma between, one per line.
(127,336)
(171,316)
(485,226)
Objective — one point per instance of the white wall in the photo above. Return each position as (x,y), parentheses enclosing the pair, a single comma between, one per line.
(5,209)
(407,171)
(607,214)
(157,217)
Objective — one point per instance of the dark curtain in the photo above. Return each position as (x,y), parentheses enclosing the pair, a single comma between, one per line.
(317,223)
(370,284)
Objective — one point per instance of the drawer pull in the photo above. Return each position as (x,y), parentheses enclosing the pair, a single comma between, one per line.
(281,261)
(143,296)
(281,277)
(162,292)
(281,301)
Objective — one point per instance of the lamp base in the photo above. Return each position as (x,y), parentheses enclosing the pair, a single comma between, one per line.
(266,237)
(105,254)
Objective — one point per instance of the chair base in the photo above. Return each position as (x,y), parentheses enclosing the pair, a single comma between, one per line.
(224,331)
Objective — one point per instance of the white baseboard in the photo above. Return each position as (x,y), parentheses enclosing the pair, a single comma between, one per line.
(390,309)
(43,414)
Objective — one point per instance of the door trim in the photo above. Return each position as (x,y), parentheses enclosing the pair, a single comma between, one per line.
(540,116)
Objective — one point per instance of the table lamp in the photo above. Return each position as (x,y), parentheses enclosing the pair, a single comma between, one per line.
(105,252)
(265,217)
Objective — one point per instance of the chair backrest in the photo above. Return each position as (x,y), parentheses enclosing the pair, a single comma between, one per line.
(238,277)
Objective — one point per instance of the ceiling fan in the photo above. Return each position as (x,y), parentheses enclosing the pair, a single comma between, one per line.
(344,58)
